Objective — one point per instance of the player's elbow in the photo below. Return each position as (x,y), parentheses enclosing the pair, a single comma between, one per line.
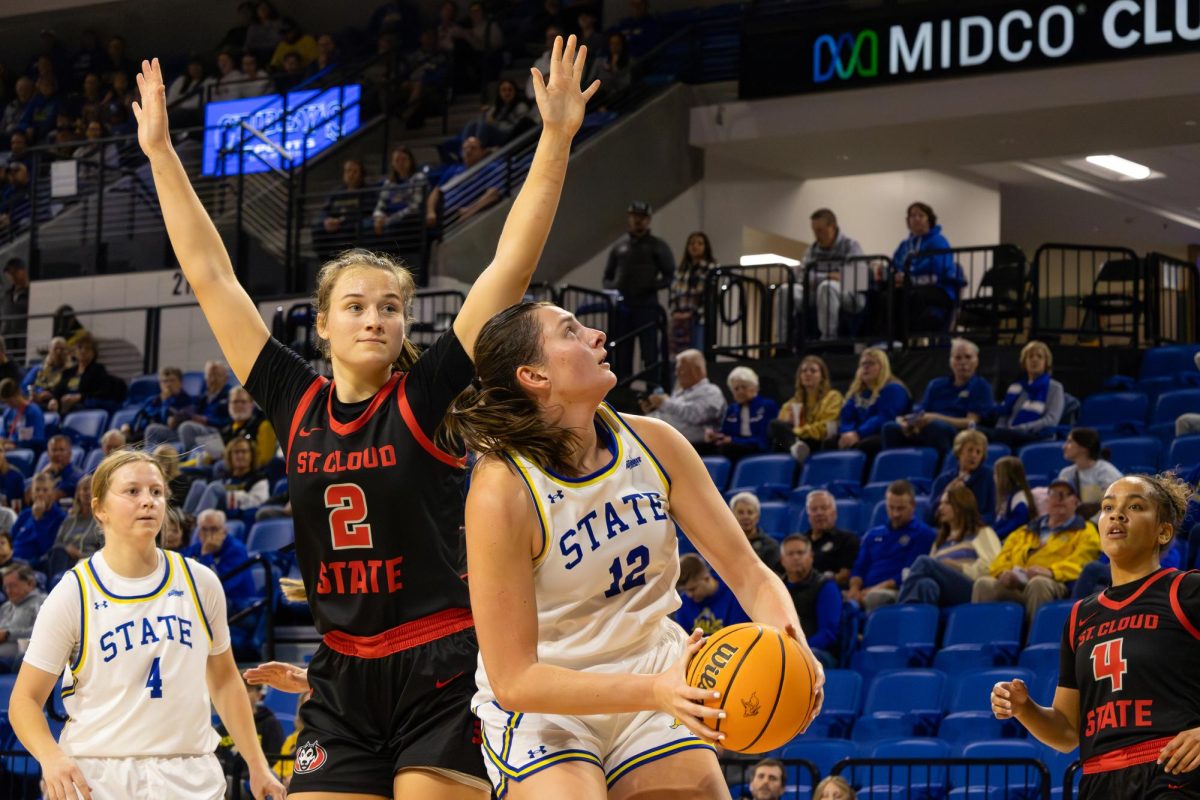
(509,693)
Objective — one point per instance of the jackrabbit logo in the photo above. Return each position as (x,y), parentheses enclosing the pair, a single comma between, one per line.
(310,758)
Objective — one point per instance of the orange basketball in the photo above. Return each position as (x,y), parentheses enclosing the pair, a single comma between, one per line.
(765,681)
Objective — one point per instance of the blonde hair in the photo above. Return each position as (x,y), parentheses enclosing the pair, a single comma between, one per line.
(966,437)
(885,374)
(167,458)
(358,258)
(839,782)
(102,479)
(1040,347)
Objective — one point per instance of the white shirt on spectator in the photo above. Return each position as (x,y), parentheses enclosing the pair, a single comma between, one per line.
(691,410)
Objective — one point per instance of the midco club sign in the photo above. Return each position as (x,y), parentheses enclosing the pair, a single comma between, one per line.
(805,51)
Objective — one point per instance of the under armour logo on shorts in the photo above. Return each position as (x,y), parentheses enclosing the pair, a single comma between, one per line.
(541,750)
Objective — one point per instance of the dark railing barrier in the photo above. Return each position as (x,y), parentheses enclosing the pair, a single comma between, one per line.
(1175,300)
(800,776)
(750,311)
(1089,295)
(595,308)
(848,300)
(991,287)
(1070,778)
(19,773)
(938,776)
(433,312)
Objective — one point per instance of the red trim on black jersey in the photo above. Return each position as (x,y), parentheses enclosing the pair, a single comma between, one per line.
(301,410)
(410,419)
(1113,605)
(1134,754)
(1074,618)
(344,428)
(1178,609)
(402,637)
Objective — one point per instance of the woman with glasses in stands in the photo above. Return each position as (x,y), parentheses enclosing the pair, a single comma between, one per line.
(378,506)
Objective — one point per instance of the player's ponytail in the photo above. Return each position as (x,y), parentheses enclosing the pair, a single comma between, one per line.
(1170,494)
(494,413)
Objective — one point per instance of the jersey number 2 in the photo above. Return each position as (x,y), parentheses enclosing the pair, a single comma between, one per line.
(348,509)
(1108,663)
(154,680)
(637,560)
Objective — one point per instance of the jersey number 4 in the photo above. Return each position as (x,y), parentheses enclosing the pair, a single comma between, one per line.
(154,680)
(347,509)
(1107,662)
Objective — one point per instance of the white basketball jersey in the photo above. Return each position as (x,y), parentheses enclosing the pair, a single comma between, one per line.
(137,685)
(605,577)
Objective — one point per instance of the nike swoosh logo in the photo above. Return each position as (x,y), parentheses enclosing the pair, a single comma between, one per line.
(304,432)
(447,682)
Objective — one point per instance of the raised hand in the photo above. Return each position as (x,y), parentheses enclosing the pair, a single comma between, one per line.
(154,134)
(560,101)
(1009,698)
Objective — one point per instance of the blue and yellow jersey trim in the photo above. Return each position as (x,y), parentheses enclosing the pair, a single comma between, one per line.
(510,773)
(116,598)
(83,628)
(615,446)
(654,754)
(542,515)
(618,420)
(191,582)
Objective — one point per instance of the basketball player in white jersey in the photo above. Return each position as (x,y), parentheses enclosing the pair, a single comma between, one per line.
(140,638)
(573,561)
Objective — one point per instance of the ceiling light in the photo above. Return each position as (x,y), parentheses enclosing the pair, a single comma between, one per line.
(1121,166)
(759,259)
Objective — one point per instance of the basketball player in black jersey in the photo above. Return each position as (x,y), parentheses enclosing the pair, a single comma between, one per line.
(378,507)
(1127,686)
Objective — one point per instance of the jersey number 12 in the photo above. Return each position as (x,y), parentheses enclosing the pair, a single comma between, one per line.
(637,560)
(348,510)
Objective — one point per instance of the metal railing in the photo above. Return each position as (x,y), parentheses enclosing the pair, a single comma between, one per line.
(750,311)
(1089,295)
(844,301)
(1174,300)
(937,776)
(990,288)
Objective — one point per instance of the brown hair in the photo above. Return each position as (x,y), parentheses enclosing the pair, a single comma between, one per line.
(1010,479)
(823,388)
(901,488)
(236,442)
(103,476)
(168,458)
(771,763)
(170,372)
(357,258)
(9,388)
(494,413)
(691,566)
(966,520)
(1170,495)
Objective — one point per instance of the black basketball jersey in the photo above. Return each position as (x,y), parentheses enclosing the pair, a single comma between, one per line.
(378,507)
(1133,652)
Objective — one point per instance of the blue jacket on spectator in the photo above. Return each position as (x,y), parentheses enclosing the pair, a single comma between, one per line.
(216,409)
(981,483)
(157,409)
(720,610)
(28,429)
(762,411)
(66,479)
(33,538)
(943,397)
(1015,516)
(886,551)
(12,485)
(939,269)
(866,418)
(827,616)
(239,587)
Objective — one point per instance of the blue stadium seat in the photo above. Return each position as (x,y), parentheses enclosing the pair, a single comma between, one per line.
(774,519)
(1171,404)
(896,637)
(1112,412)
(824,753)
(141,389)
(1184,453)
(123,416)
(270,535)
(879,513)
(770,476)
(92,460)
(193,384)
(1043,458)
(52,419)
(843,700)
(1135,453)
(1040,658)
(85,427)
(904,462)
(23,459)
(719,467)
(969,711)
(980,635)
(1017,779)
(6,686)
(823,469)
(901,703)
(1168,361)
(920,780)
(1048,622)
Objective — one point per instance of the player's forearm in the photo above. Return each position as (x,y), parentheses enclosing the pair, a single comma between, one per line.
(29,723)
(1049,726)
(532,214)
(233,707)
(547,689)
(197,244)
(765,598)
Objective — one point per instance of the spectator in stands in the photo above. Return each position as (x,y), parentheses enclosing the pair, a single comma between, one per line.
(611,68)
(79,535)
(88,57)
(255,82)
(175,522)
(14,306)
(227,85)
(293,40)
(423,91)
(220,552)
(447,26)
(12,488)
(1015,504)
(116,60)
(452,207)
(503,120)
(18,150)
(87,104)
(41,381)
(161,414)
(639,265)
(889,549)
(478,46)
(875,397)
(247,422)
(42,111)
(292,74)
(266,725)
(970,451)
(18,612)
(834,787)
(817,597)
(402,197)
(14,112)
(265,32)
(178,482)
(87,384)
(60,466)
(347,213)
(24,423)
(950,404)
(1038,560)
(1188,424)
(640,28)
(8,368)
(65,136)
(235,37)
(748,511)
(932,281)
(37,526)
(589,34)
(327,53)
(686,298)
(834,550)
(822,270)
(15,202)
(769,780)
(962,552)
(67,325)
(696,404)
(6,550)
(1091,473)
(708,604)
(745,430)
(210,413)
(1033,405)
(808,420)
(93,152)
(186,94)
(111,441)
(244,488)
